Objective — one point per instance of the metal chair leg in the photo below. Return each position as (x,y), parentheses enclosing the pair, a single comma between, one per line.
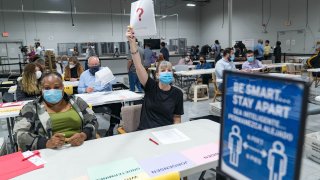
(202,175)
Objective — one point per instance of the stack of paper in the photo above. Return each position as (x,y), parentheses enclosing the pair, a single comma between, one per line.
(170,136)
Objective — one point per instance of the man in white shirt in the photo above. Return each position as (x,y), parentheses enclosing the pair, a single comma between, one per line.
(38,48)
(226,63)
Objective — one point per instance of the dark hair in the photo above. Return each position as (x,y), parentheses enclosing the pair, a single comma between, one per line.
(39,66)
(51,74)
(227,51)
(204,57)
(163,44)
(40,61)
(278,43)
(217,41)
(267,41)
(249,52)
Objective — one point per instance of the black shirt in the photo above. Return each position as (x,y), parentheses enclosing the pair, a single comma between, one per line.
(74,72)
(160,106)
(165,53)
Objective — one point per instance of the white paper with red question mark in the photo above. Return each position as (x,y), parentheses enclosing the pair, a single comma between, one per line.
(142,18)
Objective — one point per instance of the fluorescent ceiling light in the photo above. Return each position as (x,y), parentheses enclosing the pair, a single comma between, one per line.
(191,4)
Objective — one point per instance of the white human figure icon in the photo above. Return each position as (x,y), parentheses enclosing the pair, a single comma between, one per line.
(277,161)
(235,145)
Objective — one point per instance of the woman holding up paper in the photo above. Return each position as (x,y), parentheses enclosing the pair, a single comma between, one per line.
(163,103)
(54,119)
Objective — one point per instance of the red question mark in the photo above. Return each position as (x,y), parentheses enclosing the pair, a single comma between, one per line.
(141,12)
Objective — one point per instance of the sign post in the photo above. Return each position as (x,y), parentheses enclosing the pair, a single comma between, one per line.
(263,127)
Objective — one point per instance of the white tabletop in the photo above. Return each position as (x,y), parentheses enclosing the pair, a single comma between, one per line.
(314,70)
(73,162)
(208,61)
(173,67)
(278,65)
(12,111)
(196,72)
(71,83)
(294,76)
(101,98)
(12,89)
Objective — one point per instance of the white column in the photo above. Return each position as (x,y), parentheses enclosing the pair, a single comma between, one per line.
(230,22)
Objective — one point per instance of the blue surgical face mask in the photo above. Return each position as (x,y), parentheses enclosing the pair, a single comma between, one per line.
(250,59)
(232,58)
(94,69)
(166,77)
(52,96)
(65,63)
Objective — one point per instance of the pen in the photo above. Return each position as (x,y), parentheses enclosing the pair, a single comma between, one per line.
(153,141)
(34,154)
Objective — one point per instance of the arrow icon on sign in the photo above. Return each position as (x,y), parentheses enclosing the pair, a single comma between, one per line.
(262,152)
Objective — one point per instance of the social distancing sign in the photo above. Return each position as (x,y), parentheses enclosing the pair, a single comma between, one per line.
(263,127)
(142,18)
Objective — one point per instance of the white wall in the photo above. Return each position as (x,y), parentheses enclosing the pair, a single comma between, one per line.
(56,28)
(247,20)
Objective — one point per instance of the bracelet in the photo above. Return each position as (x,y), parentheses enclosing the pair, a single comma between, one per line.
(136,52)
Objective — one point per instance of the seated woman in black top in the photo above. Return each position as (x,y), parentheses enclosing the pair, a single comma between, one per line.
(163,103)
(28,87)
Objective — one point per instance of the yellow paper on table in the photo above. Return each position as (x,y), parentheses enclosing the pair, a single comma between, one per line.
(169,176)
(7,82)
(68,90)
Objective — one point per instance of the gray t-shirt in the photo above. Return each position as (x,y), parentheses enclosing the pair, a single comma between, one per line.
(129,57)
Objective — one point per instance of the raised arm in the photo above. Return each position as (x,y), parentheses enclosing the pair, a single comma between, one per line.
(141,71)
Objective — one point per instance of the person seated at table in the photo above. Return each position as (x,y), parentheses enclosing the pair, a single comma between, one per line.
(163,103)
(203,64)
(74,69)
(159,59)
(28,88)
(226,63)
(251,62)
(88,84)
(54,118)
(219,56)
(185,60)
(314,61)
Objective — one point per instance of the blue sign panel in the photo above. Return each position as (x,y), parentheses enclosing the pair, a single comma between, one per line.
(262,127)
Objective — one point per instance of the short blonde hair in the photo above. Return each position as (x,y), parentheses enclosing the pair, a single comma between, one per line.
(164,65)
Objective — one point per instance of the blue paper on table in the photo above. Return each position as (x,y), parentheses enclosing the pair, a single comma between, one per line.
(263,123)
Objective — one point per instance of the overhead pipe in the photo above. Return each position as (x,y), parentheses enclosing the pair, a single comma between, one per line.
(67,12)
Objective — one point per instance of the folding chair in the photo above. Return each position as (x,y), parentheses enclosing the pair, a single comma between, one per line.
(130,118)
(216,90)
(291,69)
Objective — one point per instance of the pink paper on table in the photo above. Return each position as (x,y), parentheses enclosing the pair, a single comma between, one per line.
(203,154)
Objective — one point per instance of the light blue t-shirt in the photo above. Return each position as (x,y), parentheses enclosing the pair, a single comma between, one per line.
(88,80)
(260,49)
(222,65)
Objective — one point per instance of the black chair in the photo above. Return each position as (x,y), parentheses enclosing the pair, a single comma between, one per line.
(7,97)
(119,86)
